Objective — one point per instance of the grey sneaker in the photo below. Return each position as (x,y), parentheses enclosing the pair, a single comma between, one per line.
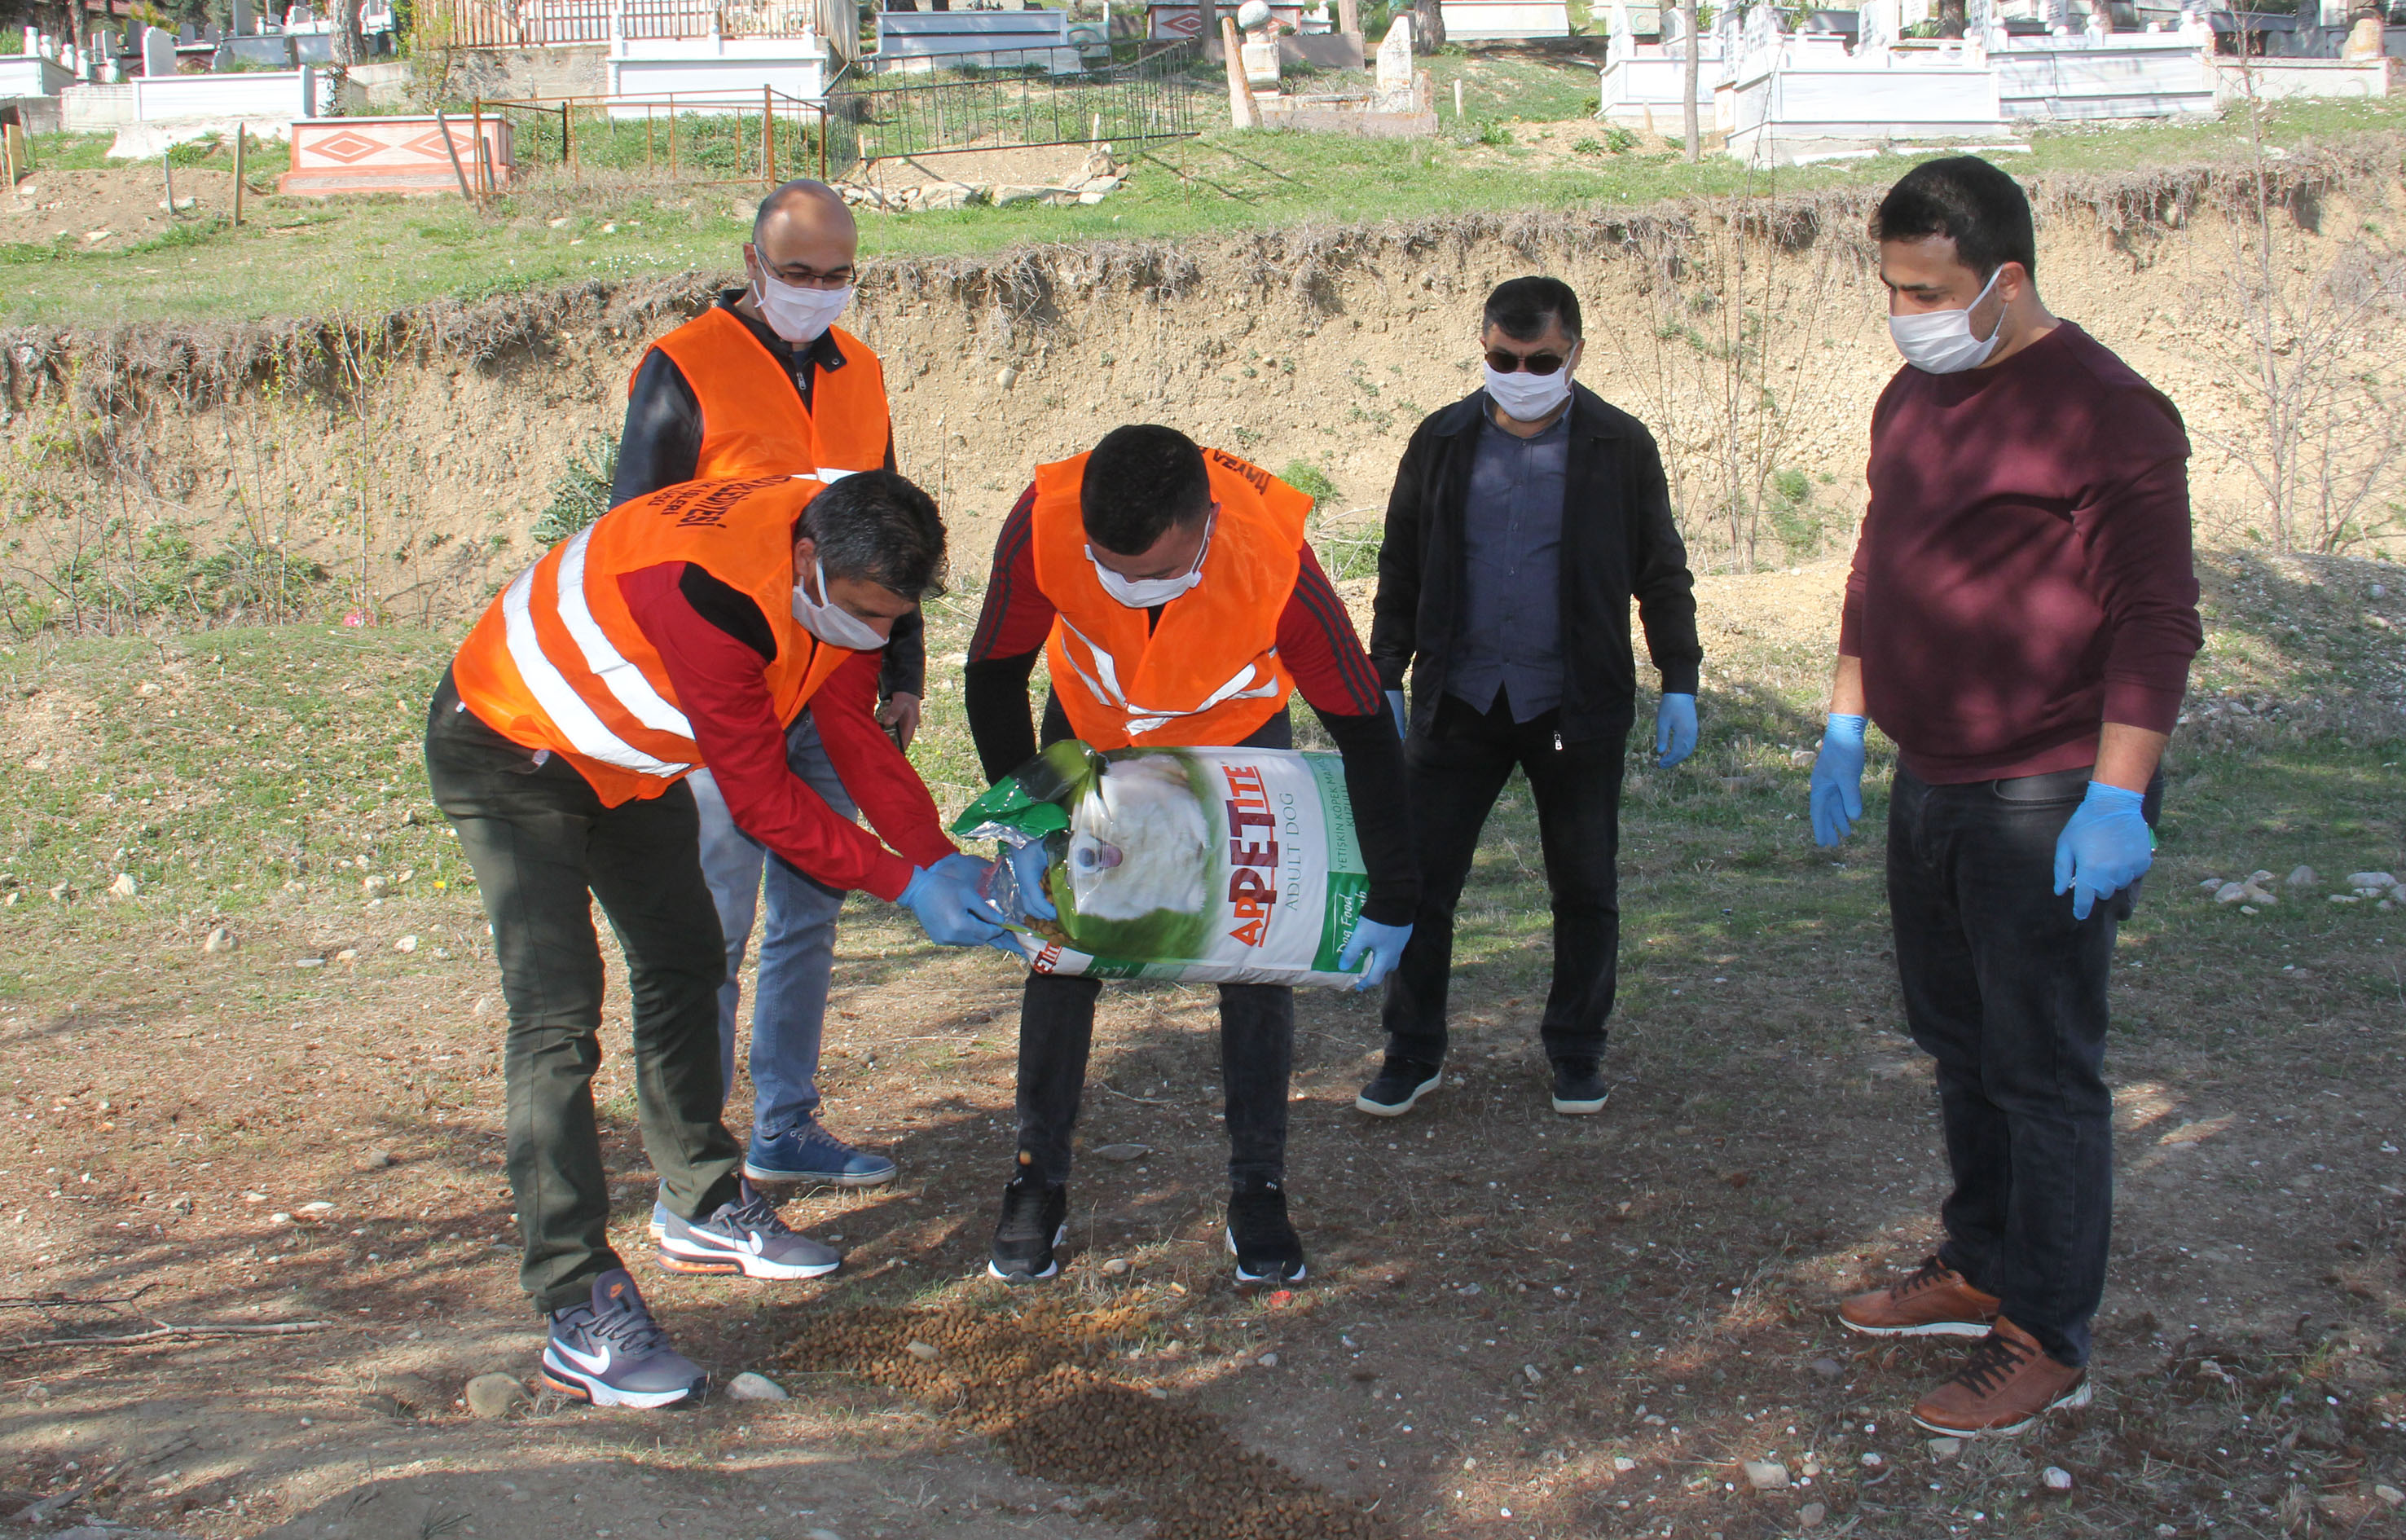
(744,1237)
(611,1352)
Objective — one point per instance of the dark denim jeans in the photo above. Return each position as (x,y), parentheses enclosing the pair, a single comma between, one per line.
(544,848)
(1455,770)
(2007,992)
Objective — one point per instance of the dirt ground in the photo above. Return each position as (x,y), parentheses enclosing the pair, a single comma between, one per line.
(1517,1324)
(108,210)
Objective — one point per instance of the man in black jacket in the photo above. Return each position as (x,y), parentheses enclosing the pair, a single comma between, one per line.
(1523,519)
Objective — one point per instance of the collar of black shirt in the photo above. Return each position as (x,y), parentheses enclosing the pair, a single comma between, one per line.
(820,351)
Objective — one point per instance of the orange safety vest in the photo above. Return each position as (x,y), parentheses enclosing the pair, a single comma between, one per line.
(753,420)
(1209,672)
(558,663)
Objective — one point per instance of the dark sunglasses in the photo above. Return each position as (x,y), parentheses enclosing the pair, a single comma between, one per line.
(1536,363)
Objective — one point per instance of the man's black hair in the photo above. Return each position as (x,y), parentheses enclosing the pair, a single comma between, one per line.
(877,526)
(1521,308)
(1979,207)
(1140,480)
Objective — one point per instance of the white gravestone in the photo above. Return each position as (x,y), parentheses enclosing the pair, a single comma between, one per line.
(244,22)
(158,53)
(1762,31)
(1395,57)
(1876,22)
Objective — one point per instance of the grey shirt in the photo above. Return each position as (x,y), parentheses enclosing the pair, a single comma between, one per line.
(1511,591)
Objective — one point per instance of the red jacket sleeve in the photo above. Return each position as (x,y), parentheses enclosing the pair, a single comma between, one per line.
(1317,641)
(1016,617)
(872,768)
(722,686)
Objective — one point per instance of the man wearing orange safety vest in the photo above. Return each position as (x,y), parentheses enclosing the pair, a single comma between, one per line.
(1176,602)
(765,383)
(687,628)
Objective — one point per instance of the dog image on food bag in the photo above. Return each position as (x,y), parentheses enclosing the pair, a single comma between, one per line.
(1140,842)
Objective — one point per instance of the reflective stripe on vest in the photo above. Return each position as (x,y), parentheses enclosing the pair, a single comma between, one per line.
(586,733)
(1101,676)
(753,420)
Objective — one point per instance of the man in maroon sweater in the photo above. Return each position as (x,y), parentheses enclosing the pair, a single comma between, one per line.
(2019,620)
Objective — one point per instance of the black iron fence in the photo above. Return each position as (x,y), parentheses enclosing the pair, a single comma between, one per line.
(1002,102)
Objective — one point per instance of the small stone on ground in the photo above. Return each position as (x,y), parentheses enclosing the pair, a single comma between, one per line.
(492,1395)
(753,1386)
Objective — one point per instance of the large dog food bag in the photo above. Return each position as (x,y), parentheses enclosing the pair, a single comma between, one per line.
(1214,866)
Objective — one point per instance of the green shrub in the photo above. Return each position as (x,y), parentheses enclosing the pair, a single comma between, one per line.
(1308,479)
(195,151)
(1792,513)
(581,493)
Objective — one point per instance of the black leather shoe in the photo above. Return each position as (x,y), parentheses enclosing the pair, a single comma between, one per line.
(1580,1087)
(1401,1083)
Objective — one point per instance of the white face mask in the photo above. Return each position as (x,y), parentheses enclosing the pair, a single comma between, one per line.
(1940,341)
(1144,593)
(830,622)
(796,314)
(1525,397)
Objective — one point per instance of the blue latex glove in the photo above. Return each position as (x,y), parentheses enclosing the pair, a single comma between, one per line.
(1675,729)
(962,865)
(1837,798)
(1385,945)
(1027,864)
(1395,705)
(948,904)
(2104,849)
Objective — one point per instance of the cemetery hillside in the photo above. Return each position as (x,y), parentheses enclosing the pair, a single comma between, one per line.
(316,329)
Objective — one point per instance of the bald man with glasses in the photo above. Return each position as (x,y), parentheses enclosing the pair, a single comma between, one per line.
(1524,519)
(765,383)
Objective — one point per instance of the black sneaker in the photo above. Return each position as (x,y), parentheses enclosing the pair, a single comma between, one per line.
(612,1353)
(1034,1219)
(1401,1083)
(744,1237)
(1580,1087)
(1267,1248)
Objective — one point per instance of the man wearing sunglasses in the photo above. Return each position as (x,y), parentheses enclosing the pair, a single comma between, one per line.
(765,383)
(1523,519)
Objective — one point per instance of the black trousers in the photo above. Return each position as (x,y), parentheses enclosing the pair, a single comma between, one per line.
(2007,992)
(1057,1029)
(1057,1033)
(540,841)
(1455,771)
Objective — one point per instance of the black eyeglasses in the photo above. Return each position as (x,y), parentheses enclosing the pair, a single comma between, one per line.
(803,278)
(1536,363)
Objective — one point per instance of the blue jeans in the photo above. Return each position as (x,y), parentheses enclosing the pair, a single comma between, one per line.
(2008,992)
(796,944)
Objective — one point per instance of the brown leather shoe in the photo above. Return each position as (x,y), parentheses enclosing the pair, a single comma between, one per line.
(1932,1301)
(2007,1384)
